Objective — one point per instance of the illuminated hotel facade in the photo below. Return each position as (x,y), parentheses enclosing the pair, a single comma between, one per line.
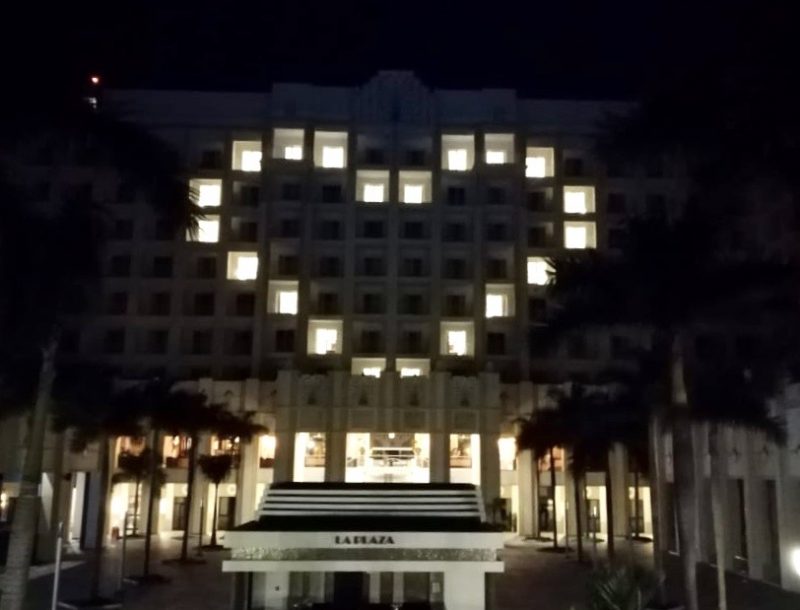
(368,279)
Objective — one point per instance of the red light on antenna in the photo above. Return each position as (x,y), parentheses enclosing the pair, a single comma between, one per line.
(95,80)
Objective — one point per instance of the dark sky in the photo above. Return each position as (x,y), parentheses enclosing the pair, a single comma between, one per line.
(608,48)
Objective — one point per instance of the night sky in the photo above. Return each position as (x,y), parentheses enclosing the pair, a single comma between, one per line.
(602,49)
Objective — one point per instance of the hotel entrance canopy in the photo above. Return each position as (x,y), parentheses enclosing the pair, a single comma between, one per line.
(332,532)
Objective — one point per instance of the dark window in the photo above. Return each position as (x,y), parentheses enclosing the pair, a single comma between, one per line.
(162,266)
(455,305)
(538,201)
(117,303)
(537,309)
(577,347)
(120,266)
(656,203)
(537,237)
(290,191)
(330,266)
(329,229)
(372,303)
(123,229)
(114,341)
(496,232)
(455,231)
(573,166)
(203,304)
(245,304)
(284,340)
(245,230)
(615,168)
(199,372)
(371,341)
(241,342)
(126,192)
(287,264)
(328,302)
(211,159)
(157,341)
(249,195)
(163,231)
(495,343)
(496,268)
(207,267)
(411,304)
(415,157)
(374,156)
(372,265)
(413,230)
(620,347)
(455,268)
(290,227)
(616,203)
(332,193)
(456,195)
(615,238)
(496,195)
(374,229)
(411,267)
(201,341)
(160,303)
(411,342)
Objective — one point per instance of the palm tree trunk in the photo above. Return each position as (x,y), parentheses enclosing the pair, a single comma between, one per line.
(26,515)
(718,511)
(214,516)
(138,482)
(189,497)
(152,469)
(577,477)
(102,512)
(636,510)
(683,460)
(659,519)
(553,497)
(609,509)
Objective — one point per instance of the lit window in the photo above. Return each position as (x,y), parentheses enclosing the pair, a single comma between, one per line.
(495,157)
(575,237)
(507,448)
(538,271)
(209,195)
(457,159)
(496,305)
(325,340)
(207,231)
(413,193)
(242,266)
(251,161)
(457,342)
(293,153)
(578,199)
(373,193)
(538,162)
(371,371)
(286,302)
(332,156)
(407,371)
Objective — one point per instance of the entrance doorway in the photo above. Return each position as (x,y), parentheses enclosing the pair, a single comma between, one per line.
(387,457)
(348,590)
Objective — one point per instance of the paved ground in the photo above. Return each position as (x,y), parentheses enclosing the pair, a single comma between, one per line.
(533,579)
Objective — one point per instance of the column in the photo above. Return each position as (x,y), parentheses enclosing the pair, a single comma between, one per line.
(755,512)
(619,489)
(464,589)
(440,457)
(490,467)
(374,587)
(246,480)
(317,586)
(398,591)
(276,594)
(526,472)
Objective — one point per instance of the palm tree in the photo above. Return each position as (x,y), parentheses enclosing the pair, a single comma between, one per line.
(133,467)
(49,254)
(216,469)
(94,413)
(674,281)
(188,413)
